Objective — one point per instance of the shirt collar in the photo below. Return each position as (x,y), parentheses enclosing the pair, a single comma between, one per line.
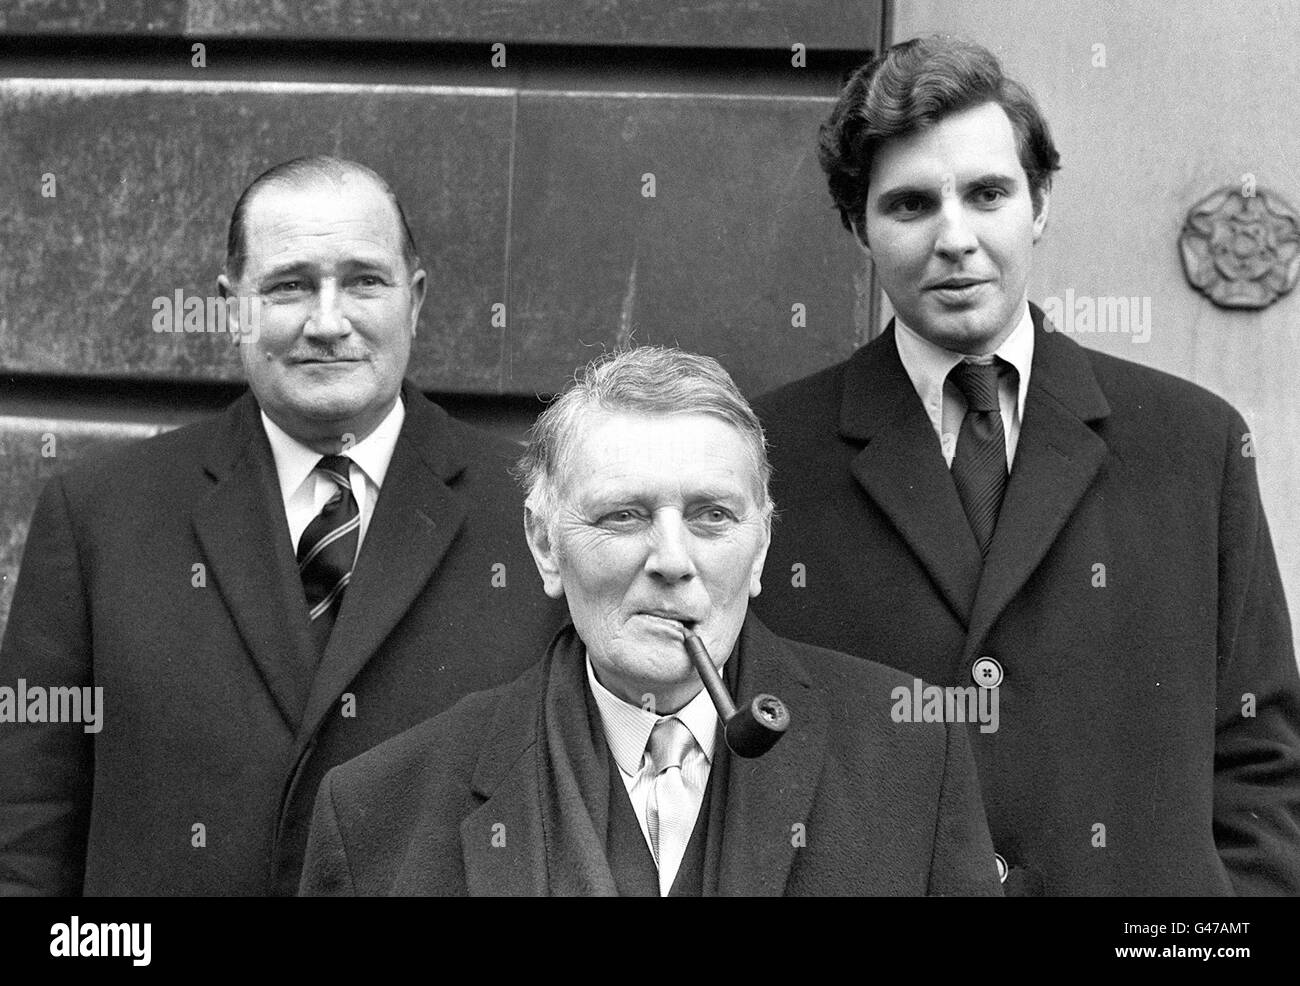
(294,461)
(627,727)
(928,365)
(1018,350)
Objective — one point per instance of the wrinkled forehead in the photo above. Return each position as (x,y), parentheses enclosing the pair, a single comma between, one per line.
(683,453)
(350,205)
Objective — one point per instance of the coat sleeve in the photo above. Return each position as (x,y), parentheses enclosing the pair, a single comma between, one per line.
(963,860)
(1257,727)
(325,871)
(45,768)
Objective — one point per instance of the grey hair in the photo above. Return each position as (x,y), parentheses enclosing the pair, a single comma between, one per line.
(643,380)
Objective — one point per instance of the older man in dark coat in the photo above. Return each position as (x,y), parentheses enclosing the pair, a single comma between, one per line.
(603,769)
(264,595)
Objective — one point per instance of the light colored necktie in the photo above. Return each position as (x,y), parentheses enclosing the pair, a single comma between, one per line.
(668,811)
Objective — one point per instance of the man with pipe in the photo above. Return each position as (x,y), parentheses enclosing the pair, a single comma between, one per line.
(603,770)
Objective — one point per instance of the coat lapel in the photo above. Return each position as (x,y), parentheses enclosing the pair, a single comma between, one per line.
(1057,457)
(903,471)
(502,845)
(532,774)
(416,518)
(767,797)
(241,528)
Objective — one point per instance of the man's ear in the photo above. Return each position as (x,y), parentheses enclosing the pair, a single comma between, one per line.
(544,554)
(419,280)
(226,291)
(1040,220)
(756,570)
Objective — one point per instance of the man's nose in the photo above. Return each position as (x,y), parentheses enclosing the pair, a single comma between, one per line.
(955,237)
(327,319)
(670,550)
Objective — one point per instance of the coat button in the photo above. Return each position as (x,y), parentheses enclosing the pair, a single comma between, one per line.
(1002,867)
(986,672)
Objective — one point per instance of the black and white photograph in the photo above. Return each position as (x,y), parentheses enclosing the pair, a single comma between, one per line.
(662,448)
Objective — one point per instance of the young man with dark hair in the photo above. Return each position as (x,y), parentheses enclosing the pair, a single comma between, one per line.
(972,497)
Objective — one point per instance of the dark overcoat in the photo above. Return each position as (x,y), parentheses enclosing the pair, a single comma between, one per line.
(165,574)
(849,801)
(1149,740)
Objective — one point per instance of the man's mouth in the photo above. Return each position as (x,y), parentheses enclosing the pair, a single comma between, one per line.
(956,283)
(671,615)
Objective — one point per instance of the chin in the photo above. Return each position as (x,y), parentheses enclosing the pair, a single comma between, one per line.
(329,416)
(667,667)
(333,402)
(660,668)
(964,336)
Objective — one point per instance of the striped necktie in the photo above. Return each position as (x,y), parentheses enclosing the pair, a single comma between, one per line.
(328,549)
(979,466)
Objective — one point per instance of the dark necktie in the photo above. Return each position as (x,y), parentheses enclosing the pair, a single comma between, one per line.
(328,548)
(979,466)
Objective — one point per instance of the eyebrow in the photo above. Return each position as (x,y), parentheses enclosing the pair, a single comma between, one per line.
(604,499)
(280,270)
(891,195)
(306,266)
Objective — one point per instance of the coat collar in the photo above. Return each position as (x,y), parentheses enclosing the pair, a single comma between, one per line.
(416,518)
(768,796)
(902,469)
(507,776)
(765,797)
(1059,455)
(241,529)
(240,526)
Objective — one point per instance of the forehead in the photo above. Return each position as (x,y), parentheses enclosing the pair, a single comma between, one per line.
(979,140)
(322,217)
(657,454)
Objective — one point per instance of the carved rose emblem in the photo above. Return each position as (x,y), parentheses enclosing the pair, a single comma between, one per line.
(1241,251)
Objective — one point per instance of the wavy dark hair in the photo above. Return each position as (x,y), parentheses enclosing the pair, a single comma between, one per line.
(912,86)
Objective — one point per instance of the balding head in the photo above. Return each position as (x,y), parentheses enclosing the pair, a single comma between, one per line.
(320,249)
(309,172)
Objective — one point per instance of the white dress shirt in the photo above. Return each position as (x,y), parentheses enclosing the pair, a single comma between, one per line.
(928,367)
(627,730)
(306,491)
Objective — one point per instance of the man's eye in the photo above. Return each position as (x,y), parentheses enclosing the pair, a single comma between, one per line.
(369,281)
(715,516)
(990,196)
(286,287)
(620,518)
(911,205)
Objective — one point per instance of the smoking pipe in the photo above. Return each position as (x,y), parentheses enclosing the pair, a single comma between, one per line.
(751,731)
